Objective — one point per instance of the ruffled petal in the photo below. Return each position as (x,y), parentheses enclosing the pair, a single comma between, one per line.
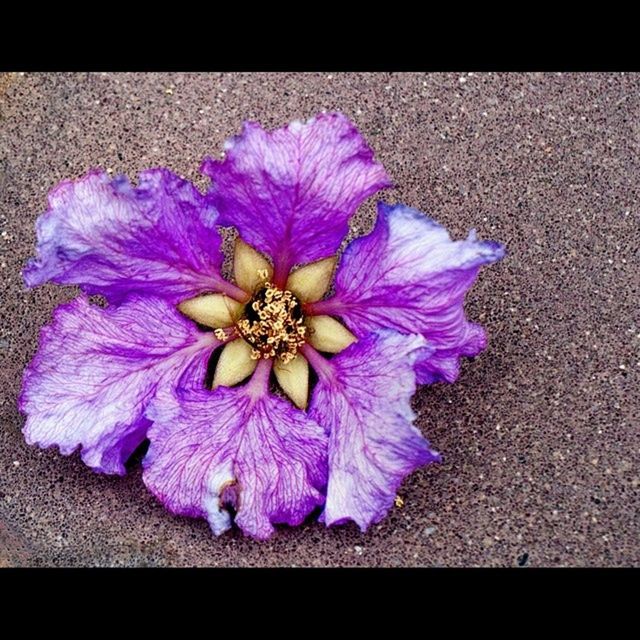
(235,447)
(363,399)
(408,275)
(291,192)
(116,240)
(96,371)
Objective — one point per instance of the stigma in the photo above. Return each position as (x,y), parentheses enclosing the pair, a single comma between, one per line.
(273,324)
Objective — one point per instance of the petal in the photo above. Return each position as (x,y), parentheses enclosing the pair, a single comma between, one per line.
(312,281)
(113,239)
(291,192)
(96,371)
(215,310)
(235,364)
(408,275)
(260,454)
(444,363)
(328,335)
(364,402)
(293,377)
(249,266)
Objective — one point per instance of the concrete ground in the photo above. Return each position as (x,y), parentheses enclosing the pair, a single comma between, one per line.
(540,435)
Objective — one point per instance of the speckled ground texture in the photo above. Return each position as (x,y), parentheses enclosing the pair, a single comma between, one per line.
(540,434)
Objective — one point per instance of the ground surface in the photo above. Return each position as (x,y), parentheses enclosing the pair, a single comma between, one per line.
(540,434)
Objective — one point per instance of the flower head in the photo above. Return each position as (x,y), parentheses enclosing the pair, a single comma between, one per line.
(217,374)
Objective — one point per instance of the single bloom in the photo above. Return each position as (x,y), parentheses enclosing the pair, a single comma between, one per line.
(217,374)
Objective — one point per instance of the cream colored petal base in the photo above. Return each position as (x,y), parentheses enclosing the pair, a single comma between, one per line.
(212,310)
(310,282)
(234,365)
(327,334)
(293,377)
(249,267)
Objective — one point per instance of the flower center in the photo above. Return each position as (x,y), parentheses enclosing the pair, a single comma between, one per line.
(273,324)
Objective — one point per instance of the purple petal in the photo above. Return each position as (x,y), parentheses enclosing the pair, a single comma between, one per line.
(233,446)
(110,238)
(363,399)
(408,275)
(97,370)
(291,192)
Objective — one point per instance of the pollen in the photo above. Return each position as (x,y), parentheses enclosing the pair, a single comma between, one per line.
(220,334)
(273,324)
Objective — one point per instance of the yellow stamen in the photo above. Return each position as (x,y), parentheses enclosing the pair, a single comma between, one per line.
(273,324)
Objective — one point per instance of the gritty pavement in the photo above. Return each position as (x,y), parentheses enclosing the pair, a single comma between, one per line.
(540,434)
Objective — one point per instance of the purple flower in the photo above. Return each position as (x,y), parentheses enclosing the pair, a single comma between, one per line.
(215,374)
